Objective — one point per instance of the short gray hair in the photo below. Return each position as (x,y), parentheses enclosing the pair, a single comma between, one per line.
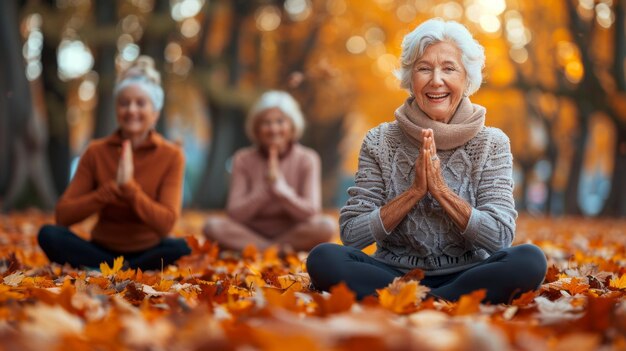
(282,101)
(437,30)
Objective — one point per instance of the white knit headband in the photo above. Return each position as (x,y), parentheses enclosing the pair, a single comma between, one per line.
(154,91)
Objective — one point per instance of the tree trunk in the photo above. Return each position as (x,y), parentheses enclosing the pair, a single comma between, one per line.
(572,206)
(615,205)
(54,91)
(214,188)
(228,126)
(105,123)
(28,134)
(522,204)
(619,63)
(154,45)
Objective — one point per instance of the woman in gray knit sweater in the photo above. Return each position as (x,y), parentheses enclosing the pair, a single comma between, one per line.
(434,188)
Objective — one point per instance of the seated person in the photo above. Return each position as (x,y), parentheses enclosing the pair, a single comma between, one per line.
(132,179)
(275,192)
(434,188)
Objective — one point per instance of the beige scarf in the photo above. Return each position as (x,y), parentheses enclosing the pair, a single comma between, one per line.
(467,121)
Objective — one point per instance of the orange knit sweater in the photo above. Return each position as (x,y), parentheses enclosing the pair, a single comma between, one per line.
(135,216)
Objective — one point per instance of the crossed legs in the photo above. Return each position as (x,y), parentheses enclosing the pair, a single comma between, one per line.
(304,236)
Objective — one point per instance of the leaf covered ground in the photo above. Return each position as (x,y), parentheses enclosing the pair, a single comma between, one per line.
(261,300)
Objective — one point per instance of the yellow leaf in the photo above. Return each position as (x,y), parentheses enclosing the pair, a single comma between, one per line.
(163,285)
(117,265)
(618,283)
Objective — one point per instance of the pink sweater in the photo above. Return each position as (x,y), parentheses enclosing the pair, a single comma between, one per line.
(251,203)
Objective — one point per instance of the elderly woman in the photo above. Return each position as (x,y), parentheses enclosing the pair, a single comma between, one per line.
(275,193)
(132,179)
(434,188)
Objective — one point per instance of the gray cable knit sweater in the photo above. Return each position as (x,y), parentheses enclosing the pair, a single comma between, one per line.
(479,171)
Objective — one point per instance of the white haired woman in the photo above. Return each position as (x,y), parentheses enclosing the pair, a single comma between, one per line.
(434,188)
(275,190)
(131,179)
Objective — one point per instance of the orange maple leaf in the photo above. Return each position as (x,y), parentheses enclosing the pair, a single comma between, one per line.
(470,303)
(574,286)
(276,298)
(552,274)
(525,299)
(340,300)
(402,296)
(250,253)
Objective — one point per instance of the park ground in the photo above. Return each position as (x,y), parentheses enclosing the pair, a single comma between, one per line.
(261,300)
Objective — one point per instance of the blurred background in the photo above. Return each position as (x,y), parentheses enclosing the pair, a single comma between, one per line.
(555,82)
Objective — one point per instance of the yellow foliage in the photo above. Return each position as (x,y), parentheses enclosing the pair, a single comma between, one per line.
(107,271)
(618,283)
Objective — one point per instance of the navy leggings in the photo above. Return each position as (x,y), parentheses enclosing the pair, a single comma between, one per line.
(63,246)
(505,274)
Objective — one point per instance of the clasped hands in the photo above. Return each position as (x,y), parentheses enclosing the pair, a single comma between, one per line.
(125,167)
(277,183)
(428,178)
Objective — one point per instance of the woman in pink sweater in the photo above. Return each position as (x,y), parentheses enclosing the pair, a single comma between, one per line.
(275,192)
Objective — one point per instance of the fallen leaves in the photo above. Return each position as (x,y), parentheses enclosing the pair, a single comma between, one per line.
(262,300)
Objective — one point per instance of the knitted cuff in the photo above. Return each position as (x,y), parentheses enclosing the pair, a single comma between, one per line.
(473,226)
(376,225)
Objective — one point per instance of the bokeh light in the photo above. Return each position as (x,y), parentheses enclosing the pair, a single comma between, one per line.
(183,9)
(268,18)
(190,27)
(298,10)
(356,45)
(406,13)
(75,59)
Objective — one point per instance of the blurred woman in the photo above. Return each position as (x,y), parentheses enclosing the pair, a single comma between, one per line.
(132,179)
(275,191)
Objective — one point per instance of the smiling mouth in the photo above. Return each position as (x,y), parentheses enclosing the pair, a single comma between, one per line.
(437,97)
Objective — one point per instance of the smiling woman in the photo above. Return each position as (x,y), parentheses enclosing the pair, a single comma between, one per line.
(131,179)
(434,189)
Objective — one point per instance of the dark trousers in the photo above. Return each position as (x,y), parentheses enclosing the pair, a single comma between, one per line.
(506,274)
(62,246)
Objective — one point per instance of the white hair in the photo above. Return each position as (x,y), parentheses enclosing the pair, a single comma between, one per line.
(282,101)
(437,30)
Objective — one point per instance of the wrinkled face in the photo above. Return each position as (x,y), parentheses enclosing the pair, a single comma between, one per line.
(135,111)
(439,81)
(273,128)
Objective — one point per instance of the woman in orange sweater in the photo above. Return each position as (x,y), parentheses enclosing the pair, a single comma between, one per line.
(275,190)
(132,179)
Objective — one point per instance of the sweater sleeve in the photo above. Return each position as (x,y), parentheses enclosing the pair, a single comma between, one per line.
(359,219)
(492,222)
(160,213)
(83,197)
(308,203)
(244,199)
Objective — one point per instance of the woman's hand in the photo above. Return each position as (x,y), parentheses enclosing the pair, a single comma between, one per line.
(420,182)
(273,169)
(278,184)
(125,168)
(457,208)
(436,183)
